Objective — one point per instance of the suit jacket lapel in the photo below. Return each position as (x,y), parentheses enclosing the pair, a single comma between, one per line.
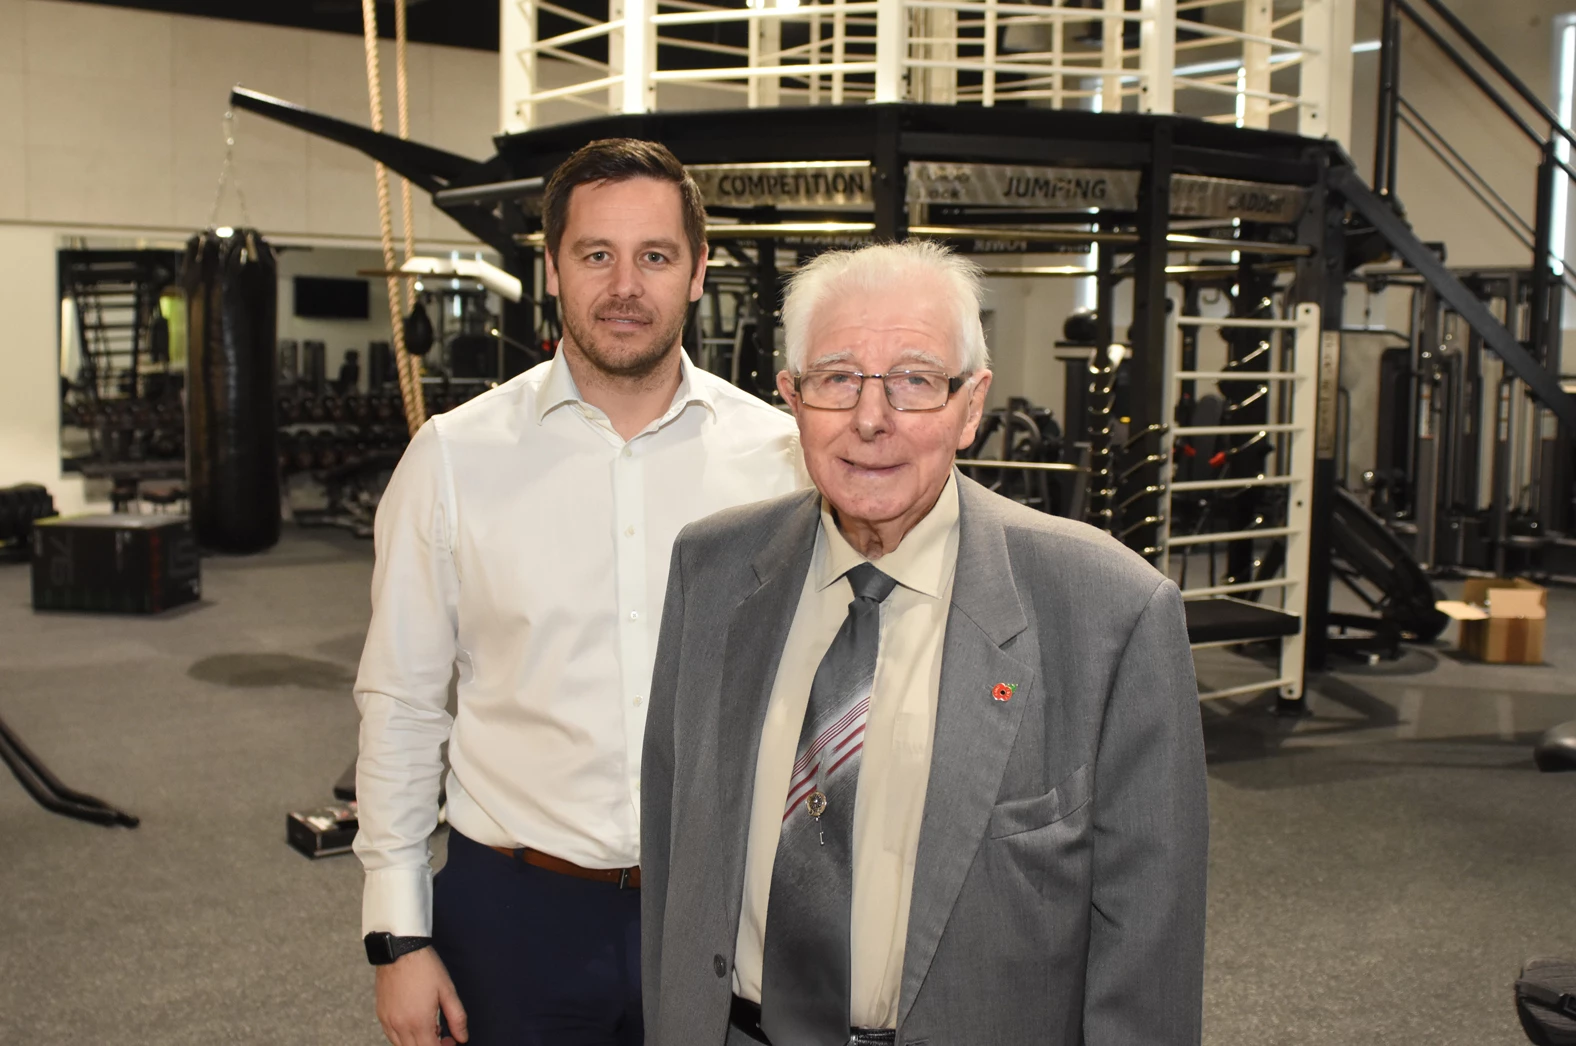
(974,731)
(753,646)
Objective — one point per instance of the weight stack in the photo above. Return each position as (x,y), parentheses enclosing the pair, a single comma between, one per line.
(232,457)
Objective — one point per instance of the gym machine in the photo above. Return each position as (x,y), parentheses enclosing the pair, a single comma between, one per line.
(1468,466)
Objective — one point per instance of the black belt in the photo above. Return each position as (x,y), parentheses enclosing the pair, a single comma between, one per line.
(746,1016)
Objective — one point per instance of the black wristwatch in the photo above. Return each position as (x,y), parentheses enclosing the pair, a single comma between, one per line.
(384,948)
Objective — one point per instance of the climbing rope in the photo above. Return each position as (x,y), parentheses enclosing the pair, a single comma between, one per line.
(401,83)
(407,366)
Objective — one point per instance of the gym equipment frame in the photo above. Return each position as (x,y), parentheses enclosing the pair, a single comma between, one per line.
(1163,196)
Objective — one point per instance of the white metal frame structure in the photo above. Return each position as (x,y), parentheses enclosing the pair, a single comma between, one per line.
(1293,399)
(1243,63)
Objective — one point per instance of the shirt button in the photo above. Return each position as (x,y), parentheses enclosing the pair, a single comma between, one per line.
(629,532)
(719,966)
(637,702)
(634,615)
(628,452)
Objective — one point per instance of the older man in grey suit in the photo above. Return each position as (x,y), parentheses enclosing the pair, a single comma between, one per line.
(922,765)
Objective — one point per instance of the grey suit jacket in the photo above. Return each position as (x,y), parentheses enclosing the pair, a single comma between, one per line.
(1059,891)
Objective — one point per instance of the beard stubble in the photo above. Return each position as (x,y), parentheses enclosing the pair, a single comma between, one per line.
(627,362)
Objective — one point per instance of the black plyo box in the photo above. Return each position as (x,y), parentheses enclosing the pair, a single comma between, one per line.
(324,831)
(115,564)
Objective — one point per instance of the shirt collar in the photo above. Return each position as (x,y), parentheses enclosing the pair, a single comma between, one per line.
(559,388)
(920,561)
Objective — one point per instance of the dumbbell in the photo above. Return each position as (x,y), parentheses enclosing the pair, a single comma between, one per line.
(303,453)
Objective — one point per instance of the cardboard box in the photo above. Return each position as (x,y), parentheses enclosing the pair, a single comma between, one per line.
(115,563)
(1502,620)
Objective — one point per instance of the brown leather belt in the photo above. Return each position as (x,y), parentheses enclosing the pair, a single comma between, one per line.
(624,878)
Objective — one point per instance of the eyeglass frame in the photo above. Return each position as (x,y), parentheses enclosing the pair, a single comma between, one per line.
(954,383)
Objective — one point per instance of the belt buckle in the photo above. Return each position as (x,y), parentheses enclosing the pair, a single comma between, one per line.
(623,878)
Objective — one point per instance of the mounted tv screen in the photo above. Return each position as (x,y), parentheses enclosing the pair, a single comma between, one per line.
(329,298)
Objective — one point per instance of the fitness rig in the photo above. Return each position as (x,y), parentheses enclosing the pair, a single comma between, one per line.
(1277,221)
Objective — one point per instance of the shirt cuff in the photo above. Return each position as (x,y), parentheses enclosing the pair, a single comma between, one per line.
(397,901)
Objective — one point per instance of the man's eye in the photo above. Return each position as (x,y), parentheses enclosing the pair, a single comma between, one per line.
(656,257)
(597,256)
(837,378)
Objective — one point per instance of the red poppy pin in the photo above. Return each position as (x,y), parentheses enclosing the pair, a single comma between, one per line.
(1004,691)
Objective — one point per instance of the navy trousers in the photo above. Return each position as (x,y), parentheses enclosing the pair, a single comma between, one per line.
(538,958)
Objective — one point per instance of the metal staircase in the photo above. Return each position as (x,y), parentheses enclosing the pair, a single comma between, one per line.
(1526,336)
(115,296)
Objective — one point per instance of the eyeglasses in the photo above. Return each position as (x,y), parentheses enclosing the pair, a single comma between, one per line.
(908,390)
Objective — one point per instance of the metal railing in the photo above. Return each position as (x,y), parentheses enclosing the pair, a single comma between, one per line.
(1230,61)
(1519,105)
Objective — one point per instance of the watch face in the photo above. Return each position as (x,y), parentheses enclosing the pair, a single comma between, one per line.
(380,948)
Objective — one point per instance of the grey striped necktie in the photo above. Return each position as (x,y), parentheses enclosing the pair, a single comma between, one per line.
(805,963)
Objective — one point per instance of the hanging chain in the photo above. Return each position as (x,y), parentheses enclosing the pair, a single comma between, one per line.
(228,173)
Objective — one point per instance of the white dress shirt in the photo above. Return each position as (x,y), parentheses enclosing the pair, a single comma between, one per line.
(894,769)
(523,549)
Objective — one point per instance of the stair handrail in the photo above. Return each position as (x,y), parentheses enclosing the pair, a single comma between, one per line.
(1389,95)
(1494,62)
(1542,332)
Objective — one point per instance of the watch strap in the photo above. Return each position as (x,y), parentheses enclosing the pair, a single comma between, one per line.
(383,948)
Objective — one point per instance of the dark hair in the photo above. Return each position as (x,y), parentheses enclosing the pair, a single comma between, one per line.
(615,160)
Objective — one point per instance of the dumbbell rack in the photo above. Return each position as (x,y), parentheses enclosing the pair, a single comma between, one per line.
(320,433)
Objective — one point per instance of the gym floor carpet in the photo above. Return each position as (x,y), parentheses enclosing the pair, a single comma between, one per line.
(1379,870)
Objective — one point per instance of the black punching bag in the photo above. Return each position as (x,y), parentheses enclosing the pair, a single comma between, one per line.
(232,458)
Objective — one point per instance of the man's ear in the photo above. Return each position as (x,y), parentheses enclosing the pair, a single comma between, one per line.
(979,386)
(698,278)
(551,267)
(786,390)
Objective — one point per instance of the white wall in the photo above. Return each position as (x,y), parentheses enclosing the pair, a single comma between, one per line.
(336,335)
(119,115)
(30,397)
(1029,313)
(111,123)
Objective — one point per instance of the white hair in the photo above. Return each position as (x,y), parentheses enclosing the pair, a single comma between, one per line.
(881,267)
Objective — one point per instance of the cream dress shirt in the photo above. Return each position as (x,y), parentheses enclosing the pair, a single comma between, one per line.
(895,766)
(522,550)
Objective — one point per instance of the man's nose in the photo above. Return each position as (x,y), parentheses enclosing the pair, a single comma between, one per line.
(626,281)
(872,414)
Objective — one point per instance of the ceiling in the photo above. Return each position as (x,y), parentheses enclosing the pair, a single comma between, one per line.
(456,23)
